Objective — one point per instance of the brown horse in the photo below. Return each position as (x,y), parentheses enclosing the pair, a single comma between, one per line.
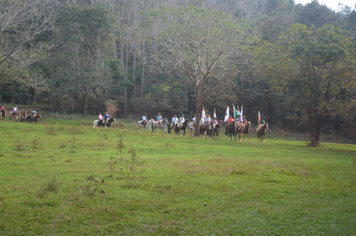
(247,130)
(261,132)
(14,115)
(239,129)
(230,131)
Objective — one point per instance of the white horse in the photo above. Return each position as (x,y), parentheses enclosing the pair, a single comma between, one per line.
(149,125)
(162,126)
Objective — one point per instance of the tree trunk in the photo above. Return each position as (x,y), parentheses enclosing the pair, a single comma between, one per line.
(198,109)
(143,65)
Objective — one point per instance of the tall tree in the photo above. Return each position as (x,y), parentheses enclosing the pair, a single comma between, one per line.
(322,79)
(203,44)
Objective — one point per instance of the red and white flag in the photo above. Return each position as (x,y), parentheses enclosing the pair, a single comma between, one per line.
(215,114)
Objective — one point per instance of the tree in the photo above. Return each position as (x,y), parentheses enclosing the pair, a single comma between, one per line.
(203,44)
(322,79)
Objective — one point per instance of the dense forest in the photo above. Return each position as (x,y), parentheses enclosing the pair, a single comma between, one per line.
(294,63)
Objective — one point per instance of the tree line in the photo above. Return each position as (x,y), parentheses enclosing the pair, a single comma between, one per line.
(294,63)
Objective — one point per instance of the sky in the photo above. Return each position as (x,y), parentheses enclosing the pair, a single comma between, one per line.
(332,4)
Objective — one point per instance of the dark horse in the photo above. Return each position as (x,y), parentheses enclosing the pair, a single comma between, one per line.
(247,130)
(31,119)
(108,124)
(181,127)
(217,130)
(2,113)
(261,132)
(230,131)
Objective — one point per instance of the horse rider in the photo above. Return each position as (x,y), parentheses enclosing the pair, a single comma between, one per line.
(207,121)
(144,119)
(100,117)
(2,111)
(214,122)
(181,120)
(230,120)
(239,119)
(106,117)
(14,110)
(194,120)
(34,112)
(244,120)
(25,114)
(159,119)
(174,120)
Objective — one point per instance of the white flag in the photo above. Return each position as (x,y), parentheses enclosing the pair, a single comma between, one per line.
(227,114)
(202,115)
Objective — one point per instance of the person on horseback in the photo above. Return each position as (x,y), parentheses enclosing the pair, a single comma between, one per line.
(230,120)
(239,119)
(106,117)
(194,119)
(34,112)
(207,121)
(159,119)
(181,119)
(2,108)
(144,119)
(174,121)
(244,120)
(14,110)
(25,114)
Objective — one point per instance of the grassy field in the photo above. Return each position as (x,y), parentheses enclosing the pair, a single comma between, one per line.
(62,177)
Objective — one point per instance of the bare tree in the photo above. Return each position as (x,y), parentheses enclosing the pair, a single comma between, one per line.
(203,44)
(21,22)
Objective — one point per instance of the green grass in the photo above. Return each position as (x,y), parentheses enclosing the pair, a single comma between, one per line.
(191,186)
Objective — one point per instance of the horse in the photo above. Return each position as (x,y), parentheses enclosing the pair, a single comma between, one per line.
(247,130)
(191,126)
(162,126)
(261,132)
(31,119)
(98,123)
(216,131)
(230,131)
(181,126)
(14,115)
(148,125)
(239,127)
(36,118)
(2,114)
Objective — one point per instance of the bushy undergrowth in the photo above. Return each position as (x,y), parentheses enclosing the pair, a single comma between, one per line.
(84,180)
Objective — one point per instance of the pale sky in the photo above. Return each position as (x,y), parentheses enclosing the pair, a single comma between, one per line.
(330,3)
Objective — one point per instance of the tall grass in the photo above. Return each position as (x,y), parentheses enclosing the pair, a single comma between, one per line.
(58,178)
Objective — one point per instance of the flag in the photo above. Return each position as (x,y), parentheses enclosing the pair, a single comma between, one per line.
(236,112)
(259,118)
(202,114)
(242,111)
(227,114)
(215,114)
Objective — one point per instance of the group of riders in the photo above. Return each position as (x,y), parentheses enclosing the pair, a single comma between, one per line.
(208,122)
(14,113)
(105,119)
